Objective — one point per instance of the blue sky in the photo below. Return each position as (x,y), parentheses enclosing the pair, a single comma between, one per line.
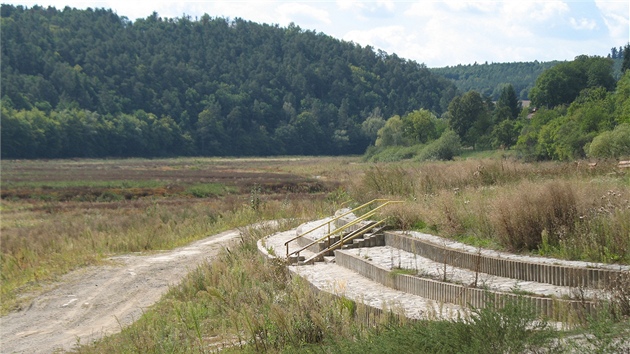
(436,33)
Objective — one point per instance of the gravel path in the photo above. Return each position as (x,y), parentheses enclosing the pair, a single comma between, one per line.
(90,303)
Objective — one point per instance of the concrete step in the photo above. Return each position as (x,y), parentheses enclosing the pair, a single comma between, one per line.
(332,278)
(295,259)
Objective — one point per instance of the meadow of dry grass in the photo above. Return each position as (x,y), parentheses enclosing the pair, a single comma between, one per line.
(565,210)
(62,215)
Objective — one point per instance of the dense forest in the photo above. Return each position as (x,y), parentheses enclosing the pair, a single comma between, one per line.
(90,83)
(491,79)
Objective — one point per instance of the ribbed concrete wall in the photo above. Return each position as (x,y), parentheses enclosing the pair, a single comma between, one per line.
(368,315)
(556,309)
(508,268)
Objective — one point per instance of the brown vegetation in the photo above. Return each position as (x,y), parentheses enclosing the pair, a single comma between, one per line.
(64,214)
(61,215)
(563,210)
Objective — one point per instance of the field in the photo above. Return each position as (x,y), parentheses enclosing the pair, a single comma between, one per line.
(61,215)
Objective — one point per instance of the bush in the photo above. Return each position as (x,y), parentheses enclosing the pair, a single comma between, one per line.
(612,144)
(445,148)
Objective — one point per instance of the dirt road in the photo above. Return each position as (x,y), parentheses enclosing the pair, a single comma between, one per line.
(96,301)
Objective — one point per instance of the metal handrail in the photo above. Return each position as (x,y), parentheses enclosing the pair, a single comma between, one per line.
(347,239)
(330,221)
(353,222)
(338,230)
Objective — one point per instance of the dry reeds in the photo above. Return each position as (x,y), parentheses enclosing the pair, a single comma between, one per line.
(564,210)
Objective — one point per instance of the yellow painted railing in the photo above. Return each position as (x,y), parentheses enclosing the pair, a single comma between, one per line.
(286,244)
(339,230)
(345,240)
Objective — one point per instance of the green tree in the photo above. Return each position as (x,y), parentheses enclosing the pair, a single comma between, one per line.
(508,104)
(621,99)
(447,146)
(392,133)
(469,117)
(372,124)
(505,134)
(420,126)
(17,135)
(625,65)
(210,131)
(562,83)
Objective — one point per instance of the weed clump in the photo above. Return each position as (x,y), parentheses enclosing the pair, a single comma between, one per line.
(522,218)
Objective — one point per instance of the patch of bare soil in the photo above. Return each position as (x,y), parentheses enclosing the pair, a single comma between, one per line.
(93,302)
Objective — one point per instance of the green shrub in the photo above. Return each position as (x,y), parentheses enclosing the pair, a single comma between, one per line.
(445,148)
(611,144)
(206,190)
(494,329)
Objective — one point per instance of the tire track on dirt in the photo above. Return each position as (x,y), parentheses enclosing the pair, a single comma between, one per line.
(93,302)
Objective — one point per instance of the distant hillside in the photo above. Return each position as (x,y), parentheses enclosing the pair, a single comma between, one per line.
(92,83)
(489,79)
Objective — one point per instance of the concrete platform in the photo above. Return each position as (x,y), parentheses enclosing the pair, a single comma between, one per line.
(340,281)
(448,285)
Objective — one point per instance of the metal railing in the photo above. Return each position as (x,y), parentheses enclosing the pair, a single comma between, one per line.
(340,229)
(345,239)
(330,221)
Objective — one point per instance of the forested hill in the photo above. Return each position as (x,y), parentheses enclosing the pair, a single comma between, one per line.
(90,83)
(490,79)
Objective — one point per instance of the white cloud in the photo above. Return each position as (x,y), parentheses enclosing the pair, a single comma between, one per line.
(616,16)
(583,24)
(349,4)
(289,11)
(547,10)
(381,37)
(482,6)
(387,4)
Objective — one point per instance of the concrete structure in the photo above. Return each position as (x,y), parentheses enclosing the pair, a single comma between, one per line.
(424,276)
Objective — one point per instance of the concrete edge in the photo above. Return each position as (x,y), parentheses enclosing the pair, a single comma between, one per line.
(548,307)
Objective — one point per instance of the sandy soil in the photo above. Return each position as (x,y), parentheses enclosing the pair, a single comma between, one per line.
(93,302)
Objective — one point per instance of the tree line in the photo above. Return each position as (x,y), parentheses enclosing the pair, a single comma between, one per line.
(577,110)
(90,83)
(490,79)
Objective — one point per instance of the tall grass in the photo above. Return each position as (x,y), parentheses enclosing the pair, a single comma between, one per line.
(39,245)
(509,329)
(564,210)
(244,303)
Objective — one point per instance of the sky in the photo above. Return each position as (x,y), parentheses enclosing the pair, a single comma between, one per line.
(436,33)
